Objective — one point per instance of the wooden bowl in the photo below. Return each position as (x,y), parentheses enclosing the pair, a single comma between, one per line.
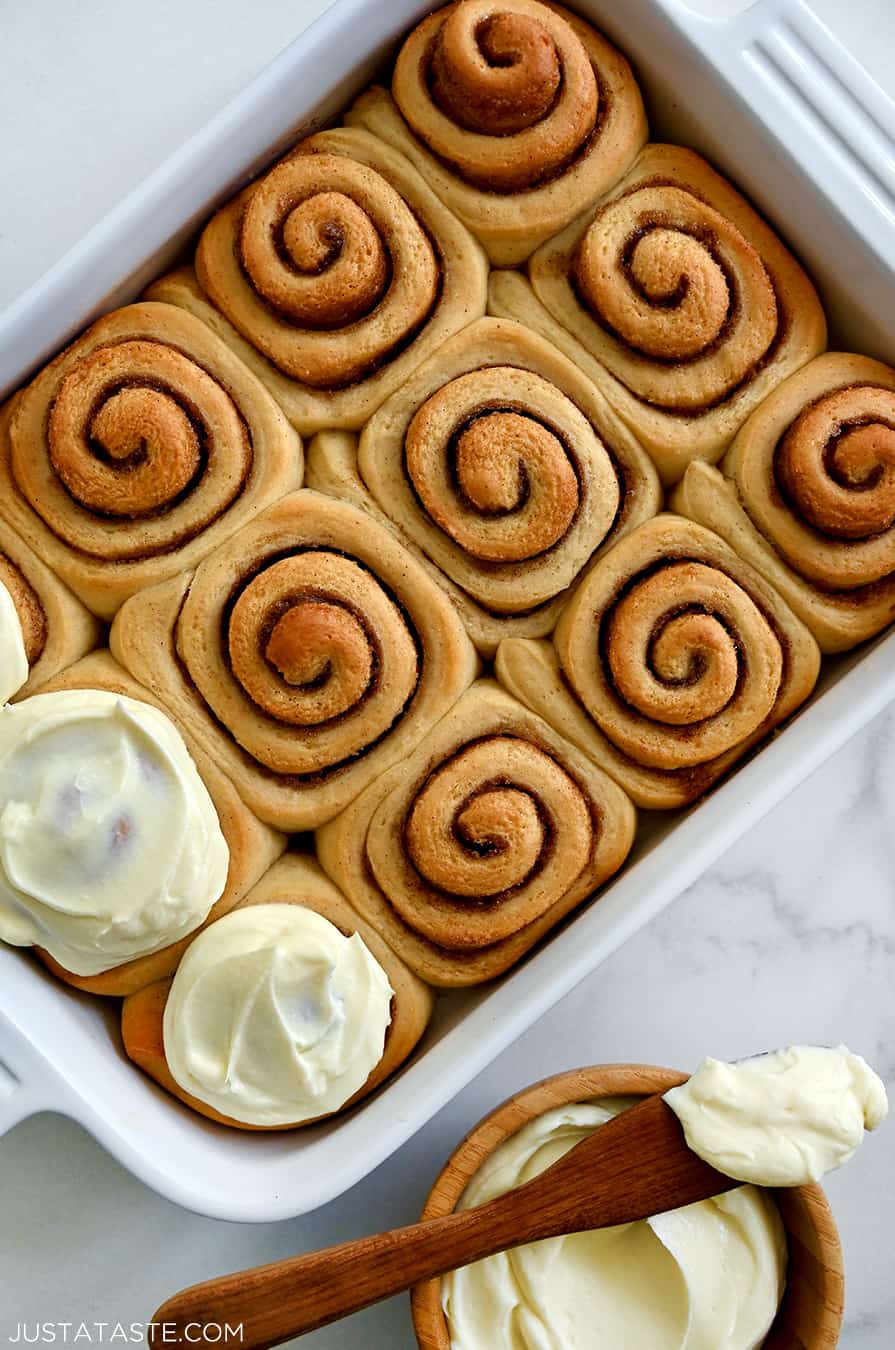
(810,1316)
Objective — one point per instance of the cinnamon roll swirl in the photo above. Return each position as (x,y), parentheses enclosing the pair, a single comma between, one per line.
(294,881)
(506,470)
(138,450)
(670,661)
(333,276)
(806,494)
(479,843)
(251,847)
(43,623)
(677,300)
(518,113)
(307,654)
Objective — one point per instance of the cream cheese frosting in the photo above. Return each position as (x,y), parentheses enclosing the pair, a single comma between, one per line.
(706,1277)
(275,1016)
(781,1119)
(14,661)
(110,845)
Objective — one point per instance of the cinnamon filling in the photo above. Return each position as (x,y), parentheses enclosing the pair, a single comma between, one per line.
(506,78)
(507,99)
(835,465)
(677,286)
(345,270)
(143,450)
(505,487)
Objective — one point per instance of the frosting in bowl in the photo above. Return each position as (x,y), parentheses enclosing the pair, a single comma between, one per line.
(110,845)
(14,661)
(706,1277)
(275,1016)
(782,1119)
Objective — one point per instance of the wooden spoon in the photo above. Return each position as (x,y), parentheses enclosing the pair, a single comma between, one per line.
(636,1165)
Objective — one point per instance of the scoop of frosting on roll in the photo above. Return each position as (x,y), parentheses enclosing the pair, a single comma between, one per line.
(275,1016)
(110,845)
(783,1119)
(705,1277)
(13,657)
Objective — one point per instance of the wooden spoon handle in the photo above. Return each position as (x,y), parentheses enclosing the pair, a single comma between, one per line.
(637,1164)
(275,1302)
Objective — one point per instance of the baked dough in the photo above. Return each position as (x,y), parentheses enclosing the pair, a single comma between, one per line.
(307,654)
(477,845)
(505,469)
(333,276)
(677,300)
(518,114)
(672,659)
(806,494)
(137,451)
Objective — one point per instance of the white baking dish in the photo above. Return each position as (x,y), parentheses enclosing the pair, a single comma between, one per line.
(773,99)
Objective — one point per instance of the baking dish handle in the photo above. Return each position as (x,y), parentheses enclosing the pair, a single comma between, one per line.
(25,1086)
(813,97)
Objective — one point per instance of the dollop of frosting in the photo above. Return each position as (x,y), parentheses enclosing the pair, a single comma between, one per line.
(14,660)
(706,1277)
(782,1119)
(110,845)
(275,1016)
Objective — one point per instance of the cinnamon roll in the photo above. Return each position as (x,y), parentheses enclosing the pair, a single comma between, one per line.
(677,300)
(465,854)
(333,276)
(507,470)
(518,113)
(339,1010)
(307,655)
(43,628)
(671,660)
(138,450)
(155,841)
(806,494)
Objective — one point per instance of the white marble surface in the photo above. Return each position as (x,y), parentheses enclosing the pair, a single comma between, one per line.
(790,937)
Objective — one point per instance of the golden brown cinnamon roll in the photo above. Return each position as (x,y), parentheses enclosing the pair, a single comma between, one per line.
(307,654)
(333,276)
(677,300)
(479,843)
(670,661)
(505,468)
(43,628)
(138,450)
(322,1061)
(806,494)
(519,114)
(250,846)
